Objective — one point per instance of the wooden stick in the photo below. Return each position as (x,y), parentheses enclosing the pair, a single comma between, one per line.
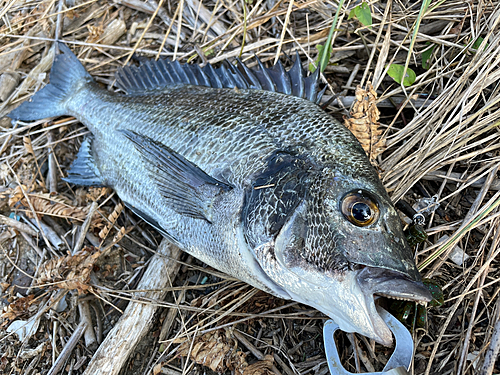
(86,318)
(17,225)
(68,349)
(137,318)
(51,234)
(85,227)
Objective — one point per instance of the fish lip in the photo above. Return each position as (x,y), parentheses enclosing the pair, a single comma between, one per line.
(392,284)
(383,282)
(379,326)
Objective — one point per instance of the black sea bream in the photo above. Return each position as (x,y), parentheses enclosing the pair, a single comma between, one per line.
(243,170)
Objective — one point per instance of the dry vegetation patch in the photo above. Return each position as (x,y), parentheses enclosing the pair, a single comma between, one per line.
(436,145)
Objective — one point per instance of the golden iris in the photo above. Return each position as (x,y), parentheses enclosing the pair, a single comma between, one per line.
(359,208)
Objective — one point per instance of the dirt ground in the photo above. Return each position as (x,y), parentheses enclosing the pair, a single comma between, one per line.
(72,259)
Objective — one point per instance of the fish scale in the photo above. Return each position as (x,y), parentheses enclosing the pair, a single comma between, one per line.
(238,133)
(147,196)
(241,169)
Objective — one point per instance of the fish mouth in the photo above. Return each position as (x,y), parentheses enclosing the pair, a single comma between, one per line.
(391,284)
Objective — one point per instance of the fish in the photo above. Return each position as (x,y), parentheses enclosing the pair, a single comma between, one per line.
(242,169)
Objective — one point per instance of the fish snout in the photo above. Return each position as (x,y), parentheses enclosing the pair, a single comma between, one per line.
(392,284)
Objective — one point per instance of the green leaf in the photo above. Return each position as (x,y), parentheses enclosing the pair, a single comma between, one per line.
(426,56)
(362,13)
(478,42)
(416,26)
(396,73)
(320,48)
(324,54)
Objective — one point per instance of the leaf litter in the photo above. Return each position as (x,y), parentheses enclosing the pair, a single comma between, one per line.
(363,123)
(436,138)
(218,350)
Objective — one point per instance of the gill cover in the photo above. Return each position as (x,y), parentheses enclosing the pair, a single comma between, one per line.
(321,233)
(294,220)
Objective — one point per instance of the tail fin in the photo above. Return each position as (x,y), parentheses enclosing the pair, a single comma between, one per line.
(65,74)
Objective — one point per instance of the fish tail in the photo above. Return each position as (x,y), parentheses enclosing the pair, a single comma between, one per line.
(66,74)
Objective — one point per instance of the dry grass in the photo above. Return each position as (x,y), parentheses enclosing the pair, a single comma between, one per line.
(442,137)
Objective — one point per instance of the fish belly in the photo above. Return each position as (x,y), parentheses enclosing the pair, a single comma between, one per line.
(202,138)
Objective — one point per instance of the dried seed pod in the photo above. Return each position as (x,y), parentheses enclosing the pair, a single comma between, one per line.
(112,219)
(28,146)
(16,195)
(46,204)
(263,367)
(54,205)
(118,236)
(364,124)
(69,272)
(219,351)
(94,194)
(18,307)
(95,33)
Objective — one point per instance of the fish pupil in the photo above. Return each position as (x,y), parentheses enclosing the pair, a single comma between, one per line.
(361,212)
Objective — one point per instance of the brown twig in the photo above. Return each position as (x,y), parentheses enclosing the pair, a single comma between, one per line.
(84,228)
(17,225)
(113,352)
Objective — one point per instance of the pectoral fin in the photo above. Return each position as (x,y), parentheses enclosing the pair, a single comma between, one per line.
(187,188)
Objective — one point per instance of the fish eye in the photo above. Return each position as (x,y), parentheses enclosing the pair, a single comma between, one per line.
(359,208)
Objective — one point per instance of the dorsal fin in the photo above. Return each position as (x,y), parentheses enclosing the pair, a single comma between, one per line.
(157,75)
(280,78)
(250,77)
(264,77)
(297,77)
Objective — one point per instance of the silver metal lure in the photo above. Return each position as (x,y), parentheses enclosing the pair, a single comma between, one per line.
(398,364)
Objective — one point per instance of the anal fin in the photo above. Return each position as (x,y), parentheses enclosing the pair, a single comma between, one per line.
(84,171)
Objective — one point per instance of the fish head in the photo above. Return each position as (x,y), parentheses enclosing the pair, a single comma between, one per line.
(341,248)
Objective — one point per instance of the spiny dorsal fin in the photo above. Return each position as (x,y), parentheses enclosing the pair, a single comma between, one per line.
(156,75)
